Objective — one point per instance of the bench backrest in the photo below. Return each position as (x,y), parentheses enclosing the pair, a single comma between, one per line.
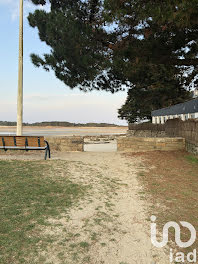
(22,141)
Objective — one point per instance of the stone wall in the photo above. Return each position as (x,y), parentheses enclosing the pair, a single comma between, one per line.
(74,143)
(124,143)
(191,147)
(172,128)
(138,144)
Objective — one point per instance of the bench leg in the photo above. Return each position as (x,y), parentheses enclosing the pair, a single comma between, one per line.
(46,154)
(47,151)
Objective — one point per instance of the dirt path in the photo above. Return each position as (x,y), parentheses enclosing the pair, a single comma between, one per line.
(122,233)
(110,225)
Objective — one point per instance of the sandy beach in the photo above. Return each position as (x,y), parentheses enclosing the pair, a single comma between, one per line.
(64,131)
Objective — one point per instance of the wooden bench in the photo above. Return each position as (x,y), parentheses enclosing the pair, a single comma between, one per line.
(25,143)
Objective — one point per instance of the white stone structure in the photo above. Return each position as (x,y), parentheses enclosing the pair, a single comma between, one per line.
(185,111)
(196,93)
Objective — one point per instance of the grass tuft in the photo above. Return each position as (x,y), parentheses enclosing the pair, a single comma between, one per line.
(192,159)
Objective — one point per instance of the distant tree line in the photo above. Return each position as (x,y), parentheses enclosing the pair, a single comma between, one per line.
(58,123)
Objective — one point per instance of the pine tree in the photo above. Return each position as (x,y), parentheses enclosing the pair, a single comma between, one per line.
(148,46)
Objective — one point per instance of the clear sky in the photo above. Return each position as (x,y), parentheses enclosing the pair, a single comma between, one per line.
(45,97)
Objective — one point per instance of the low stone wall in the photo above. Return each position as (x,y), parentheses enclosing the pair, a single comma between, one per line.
(172,128)
(74,143)
(138,144)
(124,143)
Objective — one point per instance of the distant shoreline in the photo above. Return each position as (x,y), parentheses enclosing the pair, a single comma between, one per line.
(65,127)
(62,127)
(58,124)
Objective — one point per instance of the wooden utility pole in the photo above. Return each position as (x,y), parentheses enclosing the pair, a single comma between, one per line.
(20,75)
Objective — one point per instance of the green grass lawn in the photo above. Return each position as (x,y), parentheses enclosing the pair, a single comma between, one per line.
(28,197)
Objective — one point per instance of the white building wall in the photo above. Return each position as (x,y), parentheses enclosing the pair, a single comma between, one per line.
(183,117)
(160,119)
(196,93)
